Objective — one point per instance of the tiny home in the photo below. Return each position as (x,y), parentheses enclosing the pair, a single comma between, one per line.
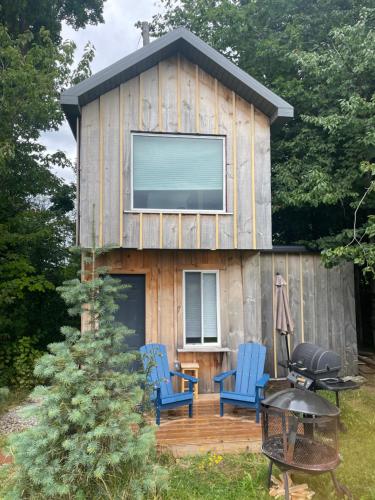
(174,173)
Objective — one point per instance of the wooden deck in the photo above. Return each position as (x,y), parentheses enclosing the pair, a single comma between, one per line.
(207,431)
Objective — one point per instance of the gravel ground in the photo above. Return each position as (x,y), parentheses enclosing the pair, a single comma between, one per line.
(14,421)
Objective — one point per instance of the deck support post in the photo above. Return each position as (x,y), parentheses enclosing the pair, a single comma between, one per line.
(221,409)
(157,416)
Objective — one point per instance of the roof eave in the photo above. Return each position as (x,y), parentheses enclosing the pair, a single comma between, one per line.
(179,40)
(282,115)
(72,111)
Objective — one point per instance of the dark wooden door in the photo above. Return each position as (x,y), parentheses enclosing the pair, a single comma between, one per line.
(132,310)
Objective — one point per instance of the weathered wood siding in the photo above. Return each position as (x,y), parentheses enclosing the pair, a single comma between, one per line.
(174,96)
(322,303)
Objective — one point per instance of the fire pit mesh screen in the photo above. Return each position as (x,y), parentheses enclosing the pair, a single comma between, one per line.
(299,441)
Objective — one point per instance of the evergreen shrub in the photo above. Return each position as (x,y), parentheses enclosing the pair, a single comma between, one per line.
(92,439)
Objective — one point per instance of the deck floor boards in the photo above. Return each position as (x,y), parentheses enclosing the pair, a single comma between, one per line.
(207,431)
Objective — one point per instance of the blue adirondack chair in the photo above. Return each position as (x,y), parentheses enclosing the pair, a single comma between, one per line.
(250,379)
(155,362)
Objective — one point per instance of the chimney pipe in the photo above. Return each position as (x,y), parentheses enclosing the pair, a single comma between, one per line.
(145,33)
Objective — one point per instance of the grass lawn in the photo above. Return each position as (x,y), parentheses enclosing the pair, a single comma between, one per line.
(243,476)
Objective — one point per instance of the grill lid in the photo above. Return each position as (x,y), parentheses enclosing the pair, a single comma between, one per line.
(300,401)
(316,359)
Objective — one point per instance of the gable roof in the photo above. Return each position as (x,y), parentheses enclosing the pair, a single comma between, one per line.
(193,48)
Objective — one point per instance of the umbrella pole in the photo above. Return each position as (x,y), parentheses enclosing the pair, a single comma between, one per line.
(287,349)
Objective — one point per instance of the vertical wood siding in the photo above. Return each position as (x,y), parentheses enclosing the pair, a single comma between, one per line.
(130,113)
(89,175)
(109,110)
(262,180)
(174,96)
(246,303)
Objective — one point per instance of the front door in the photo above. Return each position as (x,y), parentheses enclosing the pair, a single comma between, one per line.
(132,310)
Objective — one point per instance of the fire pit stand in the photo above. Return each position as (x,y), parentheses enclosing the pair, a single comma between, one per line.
(299,432)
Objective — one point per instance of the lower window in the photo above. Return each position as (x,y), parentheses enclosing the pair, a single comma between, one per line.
(201,308)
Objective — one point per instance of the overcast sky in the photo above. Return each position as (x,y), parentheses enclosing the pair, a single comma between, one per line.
(113,40)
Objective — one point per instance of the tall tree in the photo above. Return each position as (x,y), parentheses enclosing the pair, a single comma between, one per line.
(36,226)
(291,47)
(341,73)
(19,16)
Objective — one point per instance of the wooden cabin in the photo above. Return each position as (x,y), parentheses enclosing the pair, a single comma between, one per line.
(174,174)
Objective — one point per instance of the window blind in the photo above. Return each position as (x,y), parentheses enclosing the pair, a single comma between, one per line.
(177,172)
(201,323)
(193,313)
(209,307)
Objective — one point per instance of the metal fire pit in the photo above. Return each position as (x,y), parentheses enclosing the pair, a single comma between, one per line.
(300,432)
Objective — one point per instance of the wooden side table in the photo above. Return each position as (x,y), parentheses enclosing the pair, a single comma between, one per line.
(193,370)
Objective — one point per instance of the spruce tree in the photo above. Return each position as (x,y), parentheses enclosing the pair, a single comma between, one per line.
(92,439)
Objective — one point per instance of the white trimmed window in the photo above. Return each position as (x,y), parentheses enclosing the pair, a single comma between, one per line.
(201,308)
(178,172)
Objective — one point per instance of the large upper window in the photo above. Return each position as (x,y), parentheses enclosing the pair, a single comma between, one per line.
(178,172)
(201,307)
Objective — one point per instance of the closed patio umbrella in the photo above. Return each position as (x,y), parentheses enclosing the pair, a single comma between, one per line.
(284,321)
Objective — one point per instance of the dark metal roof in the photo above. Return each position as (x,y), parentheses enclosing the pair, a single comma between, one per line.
(193,48)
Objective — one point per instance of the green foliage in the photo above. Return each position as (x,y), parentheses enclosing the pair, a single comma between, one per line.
(318,55)
(91,429)
(4,394)
(17,362)
(25,357)
(20,16)
(36,207)
(5,363)
(348,65)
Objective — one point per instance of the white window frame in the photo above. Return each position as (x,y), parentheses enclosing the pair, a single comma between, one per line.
(174,211)
(202,344)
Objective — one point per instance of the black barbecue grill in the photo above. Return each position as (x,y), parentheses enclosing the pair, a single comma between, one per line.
(315,362)
(310,365)
(314,368)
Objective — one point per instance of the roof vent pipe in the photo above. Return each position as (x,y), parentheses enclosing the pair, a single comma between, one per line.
(145,33)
